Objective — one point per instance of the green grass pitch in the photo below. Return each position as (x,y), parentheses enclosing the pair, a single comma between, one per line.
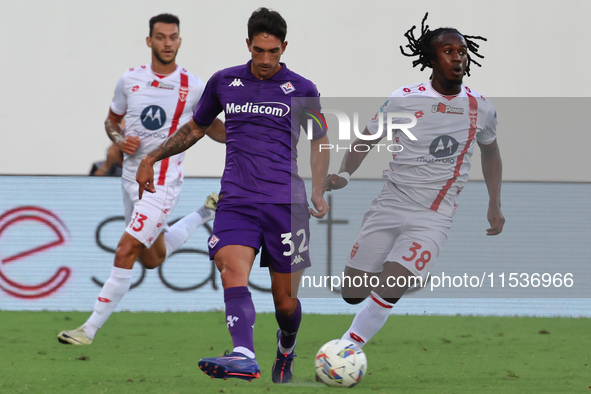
(158,353)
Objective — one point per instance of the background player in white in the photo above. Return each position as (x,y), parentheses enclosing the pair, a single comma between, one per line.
(403,232)
(153,99)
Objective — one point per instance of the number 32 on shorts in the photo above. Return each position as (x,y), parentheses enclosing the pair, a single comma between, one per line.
(287,240)
(423,256)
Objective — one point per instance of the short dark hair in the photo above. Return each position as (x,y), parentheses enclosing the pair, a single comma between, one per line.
(422,46)
(164,18)
(264,20)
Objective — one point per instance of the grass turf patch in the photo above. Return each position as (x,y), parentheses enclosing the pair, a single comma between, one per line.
(158,353)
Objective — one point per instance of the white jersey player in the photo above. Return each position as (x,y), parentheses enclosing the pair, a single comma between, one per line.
(406,226)
(154,106)
(153,100)
(433,169)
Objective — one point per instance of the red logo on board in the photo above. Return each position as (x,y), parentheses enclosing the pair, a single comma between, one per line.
(55,234)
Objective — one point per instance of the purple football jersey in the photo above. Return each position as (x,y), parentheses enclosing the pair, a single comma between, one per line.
(261,145)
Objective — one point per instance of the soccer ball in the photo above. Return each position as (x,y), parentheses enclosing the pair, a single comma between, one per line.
(340,363)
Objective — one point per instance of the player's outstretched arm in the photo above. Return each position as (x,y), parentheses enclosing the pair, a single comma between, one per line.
(492,170)
(351,162)
(319,160)
(180,141)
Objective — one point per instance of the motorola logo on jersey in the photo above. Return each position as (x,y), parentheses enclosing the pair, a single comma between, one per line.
(153,117)
(443,146)
(155,134)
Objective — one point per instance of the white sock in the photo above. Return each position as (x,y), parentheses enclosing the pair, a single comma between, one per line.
(247,352)
(112,292)
(285,350)
(179,233)
(369,320)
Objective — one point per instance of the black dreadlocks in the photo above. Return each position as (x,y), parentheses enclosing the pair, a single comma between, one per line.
(422,47)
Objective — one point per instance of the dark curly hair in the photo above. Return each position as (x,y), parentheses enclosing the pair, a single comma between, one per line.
(422,47)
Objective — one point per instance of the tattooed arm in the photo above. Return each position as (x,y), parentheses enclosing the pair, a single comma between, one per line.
(114,125)
(180,141)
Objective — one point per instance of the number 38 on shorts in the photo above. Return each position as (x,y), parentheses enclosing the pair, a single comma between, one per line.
(418,255)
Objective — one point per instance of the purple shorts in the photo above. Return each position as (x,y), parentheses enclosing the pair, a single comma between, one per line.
(282,230)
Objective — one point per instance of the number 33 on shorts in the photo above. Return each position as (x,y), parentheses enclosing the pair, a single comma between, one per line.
(418,255)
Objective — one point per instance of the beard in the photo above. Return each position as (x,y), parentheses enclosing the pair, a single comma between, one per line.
(455,81)
(159,58)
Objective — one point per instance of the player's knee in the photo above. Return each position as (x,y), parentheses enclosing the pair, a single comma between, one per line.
(232,277)
(229,275)
(126,255)
(286,305)
(354,295)
(152,258)
(352,300)
(150,265)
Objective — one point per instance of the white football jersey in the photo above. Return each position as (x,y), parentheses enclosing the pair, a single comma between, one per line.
(154,108)
(433,169)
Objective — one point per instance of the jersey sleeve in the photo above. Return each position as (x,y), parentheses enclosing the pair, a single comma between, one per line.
(209,105)
(311,111)
(392,104)
(489,131)
(119,102)
(199,87)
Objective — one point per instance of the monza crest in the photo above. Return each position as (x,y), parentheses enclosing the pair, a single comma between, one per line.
(183,93)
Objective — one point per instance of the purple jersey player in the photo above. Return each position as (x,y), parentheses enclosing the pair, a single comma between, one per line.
(263,202)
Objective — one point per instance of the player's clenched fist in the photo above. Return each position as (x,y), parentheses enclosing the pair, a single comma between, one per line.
(496,220)
(335,181)
(129,144)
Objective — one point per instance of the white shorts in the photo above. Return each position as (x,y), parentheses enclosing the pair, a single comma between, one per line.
(146,218)
(397,229)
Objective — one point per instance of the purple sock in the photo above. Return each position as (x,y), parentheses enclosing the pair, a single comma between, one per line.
(289,326)
(240,316)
